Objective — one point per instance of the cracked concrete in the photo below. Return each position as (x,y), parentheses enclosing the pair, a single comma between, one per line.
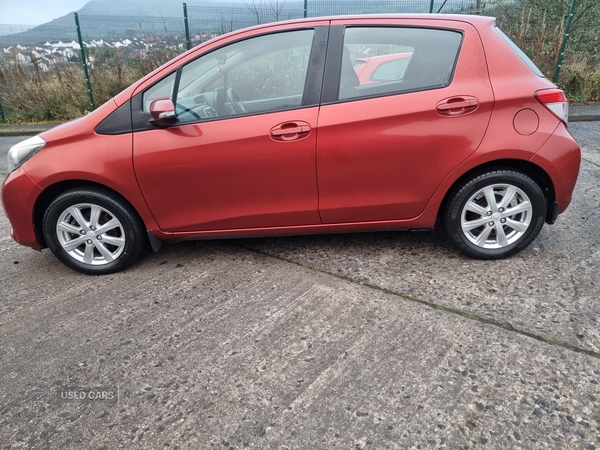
(549,290)
(374,340)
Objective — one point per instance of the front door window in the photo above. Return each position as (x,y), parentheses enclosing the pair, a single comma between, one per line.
(263,74)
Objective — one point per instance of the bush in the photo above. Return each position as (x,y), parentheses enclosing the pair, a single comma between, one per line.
(30,94)
(538,27)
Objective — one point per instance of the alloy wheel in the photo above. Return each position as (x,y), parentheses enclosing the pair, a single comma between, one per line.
(496,216)
(90,234)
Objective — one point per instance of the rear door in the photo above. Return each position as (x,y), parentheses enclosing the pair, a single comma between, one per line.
(385,146)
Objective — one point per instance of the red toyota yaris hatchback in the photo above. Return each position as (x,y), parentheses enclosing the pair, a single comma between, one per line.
(269,131)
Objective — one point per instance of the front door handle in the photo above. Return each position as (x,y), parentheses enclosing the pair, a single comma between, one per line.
(455,106)
(290,131)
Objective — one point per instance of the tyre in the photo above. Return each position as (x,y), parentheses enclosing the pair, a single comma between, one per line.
(93,231)
(494,215)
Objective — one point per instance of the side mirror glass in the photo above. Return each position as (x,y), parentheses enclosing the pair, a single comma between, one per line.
(163,112)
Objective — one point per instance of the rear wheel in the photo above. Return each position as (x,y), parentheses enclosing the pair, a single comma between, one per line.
(495,215)
(93,231)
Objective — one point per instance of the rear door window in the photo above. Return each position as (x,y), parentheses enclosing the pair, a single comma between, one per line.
(402,60)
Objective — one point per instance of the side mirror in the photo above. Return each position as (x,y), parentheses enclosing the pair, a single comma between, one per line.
(163,112)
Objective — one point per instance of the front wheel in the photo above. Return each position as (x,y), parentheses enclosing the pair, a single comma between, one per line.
(93,231)
(494,215)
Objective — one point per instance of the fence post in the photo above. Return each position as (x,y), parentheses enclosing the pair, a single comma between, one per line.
(188,42)
(561,54)
(305,9)
(2,113)
(84,61)
(431,6)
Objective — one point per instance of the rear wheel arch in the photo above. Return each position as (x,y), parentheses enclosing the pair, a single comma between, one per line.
(533,171)
(496,211)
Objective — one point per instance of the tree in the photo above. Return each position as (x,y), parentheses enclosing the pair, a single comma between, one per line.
(276,8)
(255,8)
(550,16)
(538,27)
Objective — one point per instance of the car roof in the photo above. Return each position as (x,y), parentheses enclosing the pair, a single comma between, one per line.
(476,20)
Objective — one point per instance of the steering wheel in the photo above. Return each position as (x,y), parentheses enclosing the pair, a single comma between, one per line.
(236,102)
(187,110)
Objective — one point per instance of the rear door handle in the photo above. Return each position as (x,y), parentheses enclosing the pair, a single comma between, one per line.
(455,106)
(290,131)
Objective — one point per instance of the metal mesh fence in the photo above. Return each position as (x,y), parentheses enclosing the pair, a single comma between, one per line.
(207,21)
(44,45)
(326,8)
(31,35)
(6,29)
(124,31)
(339,7)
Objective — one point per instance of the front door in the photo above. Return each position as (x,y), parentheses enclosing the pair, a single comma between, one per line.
(242,152)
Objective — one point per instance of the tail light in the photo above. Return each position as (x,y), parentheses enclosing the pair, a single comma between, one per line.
(556,101)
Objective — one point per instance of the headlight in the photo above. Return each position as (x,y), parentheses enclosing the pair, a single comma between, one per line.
(21,152)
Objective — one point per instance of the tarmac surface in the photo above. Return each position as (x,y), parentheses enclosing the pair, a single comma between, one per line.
(372,340)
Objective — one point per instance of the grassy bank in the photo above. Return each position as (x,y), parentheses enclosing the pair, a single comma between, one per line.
(30,94)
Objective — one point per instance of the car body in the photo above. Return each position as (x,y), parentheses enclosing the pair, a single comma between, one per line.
(269,131)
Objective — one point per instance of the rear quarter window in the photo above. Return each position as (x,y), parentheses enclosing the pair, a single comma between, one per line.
(520,53)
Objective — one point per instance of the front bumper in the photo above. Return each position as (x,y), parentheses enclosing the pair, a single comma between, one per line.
(19,194)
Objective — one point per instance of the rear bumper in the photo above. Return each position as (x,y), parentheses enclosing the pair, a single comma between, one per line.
(19,194)
(560,157)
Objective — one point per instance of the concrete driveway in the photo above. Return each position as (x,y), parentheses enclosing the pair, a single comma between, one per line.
(375,340)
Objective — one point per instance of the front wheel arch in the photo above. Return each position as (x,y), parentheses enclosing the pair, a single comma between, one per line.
(52,192)
(94,231)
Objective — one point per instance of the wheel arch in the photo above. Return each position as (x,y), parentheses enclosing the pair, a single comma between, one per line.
(49,194)
(533,171)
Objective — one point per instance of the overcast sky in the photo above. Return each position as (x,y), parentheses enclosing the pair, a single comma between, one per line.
(35,12)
